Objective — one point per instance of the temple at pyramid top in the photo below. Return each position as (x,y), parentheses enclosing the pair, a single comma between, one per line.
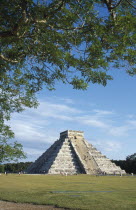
(72,134)
(72,154)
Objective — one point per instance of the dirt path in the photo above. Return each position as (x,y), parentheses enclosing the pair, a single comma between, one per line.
(24,206)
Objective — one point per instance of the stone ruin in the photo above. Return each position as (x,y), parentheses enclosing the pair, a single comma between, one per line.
(72,154)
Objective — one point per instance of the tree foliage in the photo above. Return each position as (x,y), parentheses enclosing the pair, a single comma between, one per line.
(131,157)
(129,165)
(73,41)
(11,151)
(15,167)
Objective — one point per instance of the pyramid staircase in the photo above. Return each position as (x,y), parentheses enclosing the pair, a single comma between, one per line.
(72,154)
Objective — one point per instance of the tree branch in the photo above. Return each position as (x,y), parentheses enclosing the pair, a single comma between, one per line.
(131,4)
(8,59)
(113,7)
(22,20)
(6,34)
(110,8)
(60,6)
(40,21)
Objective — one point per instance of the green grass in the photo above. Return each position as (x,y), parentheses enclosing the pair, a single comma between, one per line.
(76,192)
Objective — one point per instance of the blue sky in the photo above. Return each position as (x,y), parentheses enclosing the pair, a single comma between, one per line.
(107,115)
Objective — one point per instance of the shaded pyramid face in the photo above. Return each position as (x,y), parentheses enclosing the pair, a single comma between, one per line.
(72,154)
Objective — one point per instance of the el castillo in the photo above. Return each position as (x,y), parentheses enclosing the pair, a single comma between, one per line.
(72,154)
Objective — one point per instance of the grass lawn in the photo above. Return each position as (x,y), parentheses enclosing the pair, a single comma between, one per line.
(75,192)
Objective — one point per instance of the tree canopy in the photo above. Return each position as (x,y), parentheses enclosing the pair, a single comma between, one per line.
(129,165)
(131,157)
(73,41)
(11,151)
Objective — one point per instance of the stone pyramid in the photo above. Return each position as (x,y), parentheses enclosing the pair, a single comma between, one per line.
(72,154)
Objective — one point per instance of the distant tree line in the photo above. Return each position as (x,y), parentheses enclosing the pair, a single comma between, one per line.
(129,165)
(14,167)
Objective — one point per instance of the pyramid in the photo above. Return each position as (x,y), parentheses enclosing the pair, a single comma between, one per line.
(72,154)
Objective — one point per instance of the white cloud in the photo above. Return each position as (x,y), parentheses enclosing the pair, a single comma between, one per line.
(132,123)
(108,146)
(31,151)
(55,110)
(59,100)
(123,130)
(119,131)
(103,112)
(34,124)
(91,121)
(33,129)
(68,100)
(112,146)
(42,125)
